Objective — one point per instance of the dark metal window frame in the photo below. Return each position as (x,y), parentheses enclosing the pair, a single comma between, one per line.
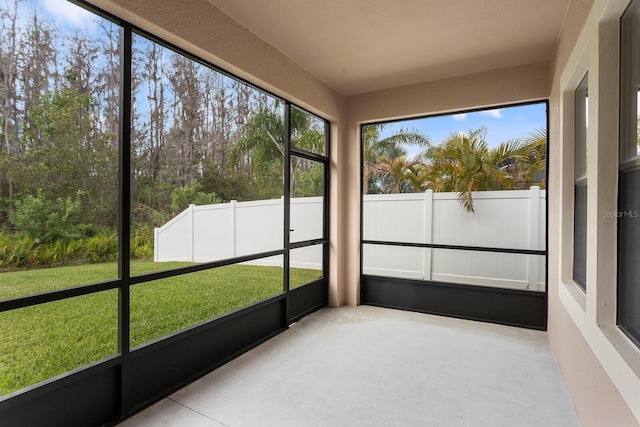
(456,300)
(294,303)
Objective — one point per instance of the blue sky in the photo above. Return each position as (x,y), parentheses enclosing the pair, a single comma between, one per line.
(502,124)
(67,15)
(70,14)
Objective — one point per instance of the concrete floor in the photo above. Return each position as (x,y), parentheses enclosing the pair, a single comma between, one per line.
(369,366)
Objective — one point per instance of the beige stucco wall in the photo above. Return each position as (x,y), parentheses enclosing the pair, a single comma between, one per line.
(581,328)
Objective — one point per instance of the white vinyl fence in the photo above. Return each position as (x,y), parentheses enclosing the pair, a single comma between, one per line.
(226,230)
(503,219)
(513,219)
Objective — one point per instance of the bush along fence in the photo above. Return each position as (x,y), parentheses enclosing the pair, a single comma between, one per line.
(513,219)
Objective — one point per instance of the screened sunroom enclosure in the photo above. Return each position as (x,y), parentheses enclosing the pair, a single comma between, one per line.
(121,130)
(185,184)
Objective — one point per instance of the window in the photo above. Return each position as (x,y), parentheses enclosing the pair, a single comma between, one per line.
(580,185)
(629,177)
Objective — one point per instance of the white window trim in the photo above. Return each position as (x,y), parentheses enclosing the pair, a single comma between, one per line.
(570,84)
(597,49)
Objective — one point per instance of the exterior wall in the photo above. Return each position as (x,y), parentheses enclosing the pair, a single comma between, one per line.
(599,363)
(205,31)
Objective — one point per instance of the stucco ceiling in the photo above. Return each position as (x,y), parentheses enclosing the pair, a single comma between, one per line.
(357,46)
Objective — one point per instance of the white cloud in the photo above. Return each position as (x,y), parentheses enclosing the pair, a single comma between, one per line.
(68,13)
(462,116)
(497,113)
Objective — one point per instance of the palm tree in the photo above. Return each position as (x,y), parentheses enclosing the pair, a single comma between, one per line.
(464,163)
(263,139)
(419,175)
(533,170)
(263,143)
(375,149)
(391,174)
(399,175)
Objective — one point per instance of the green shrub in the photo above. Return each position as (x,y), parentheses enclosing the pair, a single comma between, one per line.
(102,247)
(18,251)
(191,193)
(141,241)
(46,220)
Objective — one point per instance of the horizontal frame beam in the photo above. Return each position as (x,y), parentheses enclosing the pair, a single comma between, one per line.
(457,247)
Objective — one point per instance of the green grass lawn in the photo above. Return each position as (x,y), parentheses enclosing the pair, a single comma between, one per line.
(39,342)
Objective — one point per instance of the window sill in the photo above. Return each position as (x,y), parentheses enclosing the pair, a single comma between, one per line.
(577,293)
(624,346)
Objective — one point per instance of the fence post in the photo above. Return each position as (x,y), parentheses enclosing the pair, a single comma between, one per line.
(156,244)
(534,236)
(192,233)
(232,225)
(428,232)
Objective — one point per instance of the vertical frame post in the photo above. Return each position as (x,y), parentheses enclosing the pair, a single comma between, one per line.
(327,210)
(287,204)
(124,209)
